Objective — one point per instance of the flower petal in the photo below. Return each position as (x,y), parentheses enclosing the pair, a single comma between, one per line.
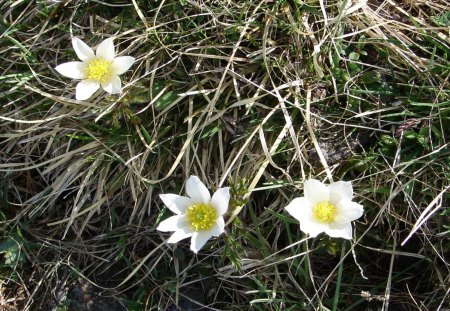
(299,208)
(340,190)
(74,70)
(310,226)
(220,200)
(105,50)
(84,52)
(121,64)
(218,228)
(113,85)
(347,211)
(344,231)
(199,239)
(316,191)
(173,223)
(178,236)
(197,191)
(176,203)
(85,89)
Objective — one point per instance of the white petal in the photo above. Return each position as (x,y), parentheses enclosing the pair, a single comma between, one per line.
(176,203)
(218,228)
(178,236)
(197,191)
(299,208)
(347,211)
(173,223)
(198,240)
(121,64)
(84,52)
(344,231)
(310,226)
(105,50)
(86,88)
(220,200)
(113,85)
(74,70)
(341,190)
(315,191)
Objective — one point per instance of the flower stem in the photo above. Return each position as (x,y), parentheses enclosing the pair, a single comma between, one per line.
(339,278)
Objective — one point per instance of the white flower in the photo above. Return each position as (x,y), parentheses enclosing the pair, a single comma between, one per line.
(198,216)
(100,69)
(326,208)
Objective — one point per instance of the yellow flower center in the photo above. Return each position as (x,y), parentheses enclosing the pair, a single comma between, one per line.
(201,216)
(324,212)
(98,70)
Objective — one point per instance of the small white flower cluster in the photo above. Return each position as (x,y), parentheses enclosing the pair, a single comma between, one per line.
(101,68)
(199,216)
(324,208)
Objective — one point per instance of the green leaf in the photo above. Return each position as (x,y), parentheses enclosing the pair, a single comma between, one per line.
(354,56)
(370,77)
(388,140)
(442,19)
(410,135)
(165,100)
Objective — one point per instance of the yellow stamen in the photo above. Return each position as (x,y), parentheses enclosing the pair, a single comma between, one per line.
(324,212)
(98,70)
(201,216)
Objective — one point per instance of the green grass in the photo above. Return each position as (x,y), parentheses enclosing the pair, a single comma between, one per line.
(255,95)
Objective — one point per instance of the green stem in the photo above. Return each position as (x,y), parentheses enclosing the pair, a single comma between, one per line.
(339,279)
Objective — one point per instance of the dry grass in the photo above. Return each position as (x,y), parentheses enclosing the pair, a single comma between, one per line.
(258,95)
